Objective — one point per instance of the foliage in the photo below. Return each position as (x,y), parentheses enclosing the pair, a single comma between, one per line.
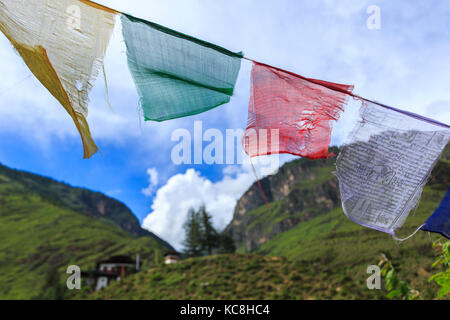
(193,243)
(201,238)
(53,289)
(223,277)
(210,237)
(400,289)
(442,278)
(226,244)
(397,288)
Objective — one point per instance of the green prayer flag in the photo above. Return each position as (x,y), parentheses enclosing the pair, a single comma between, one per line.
(177,75)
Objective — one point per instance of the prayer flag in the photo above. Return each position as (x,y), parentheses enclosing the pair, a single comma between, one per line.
(63,42)
(298,110)
(177,75)
(385,165)
(439,222)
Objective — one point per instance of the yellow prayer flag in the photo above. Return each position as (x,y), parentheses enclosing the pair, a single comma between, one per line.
(63,42)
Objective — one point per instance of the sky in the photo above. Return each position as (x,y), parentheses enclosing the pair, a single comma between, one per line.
(403,63)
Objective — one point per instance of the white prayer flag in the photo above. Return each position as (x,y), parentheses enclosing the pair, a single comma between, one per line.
(383,168)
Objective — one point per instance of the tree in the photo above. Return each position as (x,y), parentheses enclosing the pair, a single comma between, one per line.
(226,244)
(210,238)
(401,290)
(193,243)
(53,289)
(398,289)
(201,238)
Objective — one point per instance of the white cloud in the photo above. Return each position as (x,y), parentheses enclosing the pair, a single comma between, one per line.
(191,190)
(153,182)
(439,110)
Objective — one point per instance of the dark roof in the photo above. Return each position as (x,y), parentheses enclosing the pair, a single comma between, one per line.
(95,273)
(118,259)
(172,253)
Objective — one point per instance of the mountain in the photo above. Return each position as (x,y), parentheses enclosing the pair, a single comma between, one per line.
(90,203)
(47,225)
(301,190)
(323,235)
(304,247)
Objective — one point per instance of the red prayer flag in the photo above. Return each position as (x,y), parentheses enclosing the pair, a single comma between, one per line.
(291,114)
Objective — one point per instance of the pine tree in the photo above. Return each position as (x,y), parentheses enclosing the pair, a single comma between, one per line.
(201,236)
(52,289)
(226,244)
(210,238)
(193,230)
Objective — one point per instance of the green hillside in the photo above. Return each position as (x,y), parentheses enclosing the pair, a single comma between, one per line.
(89,203)
(325,258)
(301,190)
(38,234)
(242,277)
(347,249)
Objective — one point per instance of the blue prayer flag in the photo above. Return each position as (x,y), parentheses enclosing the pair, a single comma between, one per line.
(439,222)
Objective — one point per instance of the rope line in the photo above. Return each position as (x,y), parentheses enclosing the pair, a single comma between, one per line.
(410,114)
(6,91)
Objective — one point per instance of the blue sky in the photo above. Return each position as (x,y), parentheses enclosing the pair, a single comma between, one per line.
(404,64)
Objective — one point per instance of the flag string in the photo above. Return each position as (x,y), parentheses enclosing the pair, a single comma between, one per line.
(100,6)
(5,91)
(410,114)
(260,186)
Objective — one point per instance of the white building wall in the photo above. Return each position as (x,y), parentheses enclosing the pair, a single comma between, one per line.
(102,282)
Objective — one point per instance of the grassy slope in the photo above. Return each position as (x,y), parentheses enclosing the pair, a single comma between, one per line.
(325,258)
(221,277)
(90,203)
(36,234)
(265,218)
(347,248)
(309,191)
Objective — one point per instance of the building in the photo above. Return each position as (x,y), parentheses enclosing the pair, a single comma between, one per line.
(115,268)
(171,257)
